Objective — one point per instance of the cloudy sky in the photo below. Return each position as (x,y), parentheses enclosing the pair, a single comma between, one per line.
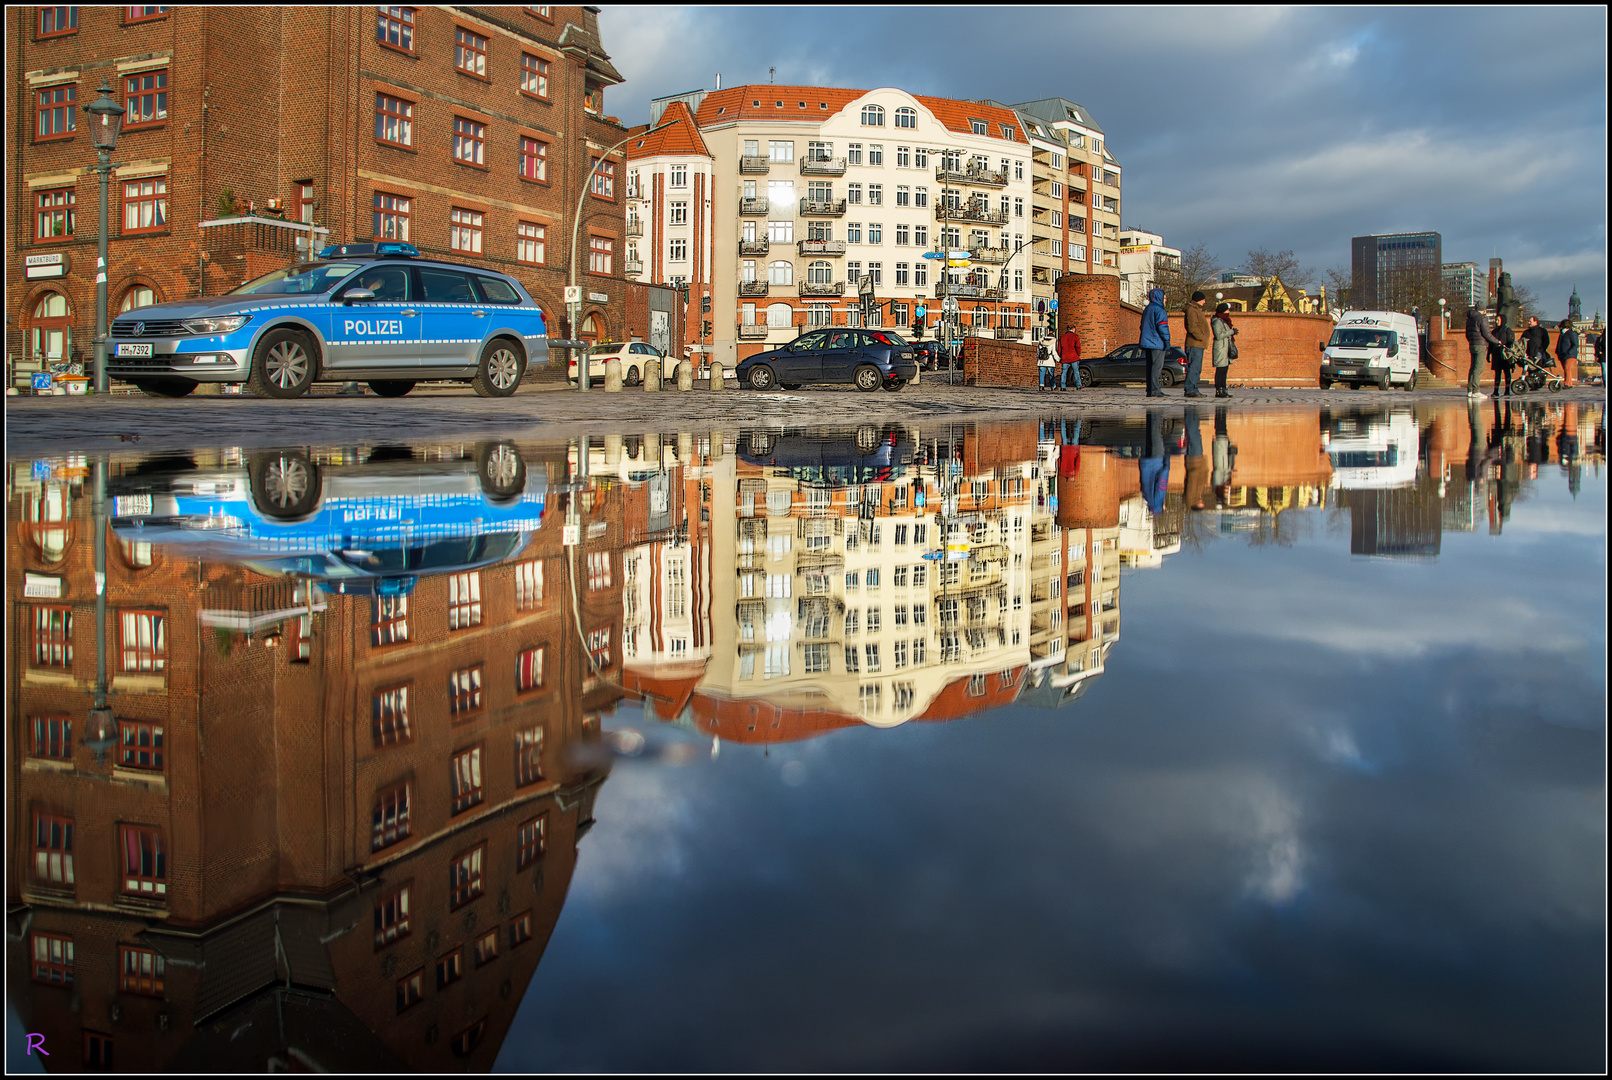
(1241,128)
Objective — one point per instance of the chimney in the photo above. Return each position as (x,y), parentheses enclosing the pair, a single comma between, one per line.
(719,80)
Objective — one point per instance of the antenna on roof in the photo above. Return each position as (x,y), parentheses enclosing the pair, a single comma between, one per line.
(772,75)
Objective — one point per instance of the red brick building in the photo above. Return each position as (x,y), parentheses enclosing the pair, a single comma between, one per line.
(467,131)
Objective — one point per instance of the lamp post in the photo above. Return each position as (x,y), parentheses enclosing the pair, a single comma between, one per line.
(1444,313)
(573,306)
(106,123)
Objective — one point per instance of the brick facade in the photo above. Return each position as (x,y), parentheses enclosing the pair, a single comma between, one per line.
(987,362)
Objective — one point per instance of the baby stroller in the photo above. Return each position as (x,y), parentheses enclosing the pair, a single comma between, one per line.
(1534,375)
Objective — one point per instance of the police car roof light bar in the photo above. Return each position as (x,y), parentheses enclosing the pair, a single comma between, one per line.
(390,247)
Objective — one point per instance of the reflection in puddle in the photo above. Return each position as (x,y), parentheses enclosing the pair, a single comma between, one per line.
(352,734)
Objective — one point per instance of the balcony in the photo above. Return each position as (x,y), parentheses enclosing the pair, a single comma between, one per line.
(832,288)
(821,208)
(994,256)
(944,289)
(972,212)
(752,207)
(635,227)
(753,247)
(1009,333)
(974,177)
(752,288)
(822,166)
(752,331)
(754,165)
(822,247)
(635,267)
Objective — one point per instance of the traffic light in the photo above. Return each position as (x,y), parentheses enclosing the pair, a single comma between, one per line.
(705,328)
(705,305)
(917,328)
(1052,322)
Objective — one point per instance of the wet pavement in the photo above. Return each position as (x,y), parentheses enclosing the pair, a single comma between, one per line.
(911,738)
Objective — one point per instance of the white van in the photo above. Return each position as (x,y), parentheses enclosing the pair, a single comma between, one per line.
(1378,347)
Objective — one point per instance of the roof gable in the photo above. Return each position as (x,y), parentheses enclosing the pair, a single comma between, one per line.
(679,135)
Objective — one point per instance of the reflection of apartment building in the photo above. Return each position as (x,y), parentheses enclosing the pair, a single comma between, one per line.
(355,824)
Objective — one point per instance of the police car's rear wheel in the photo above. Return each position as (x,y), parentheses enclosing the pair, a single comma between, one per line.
(501,469)
(285,484)
(283,366)
(500,370)
(391,387)
(166,387)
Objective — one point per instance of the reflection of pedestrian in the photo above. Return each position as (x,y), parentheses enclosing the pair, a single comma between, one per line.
(1155,338)
(1197,466)
(1567,351)
(1567,452)
(1155,464)
(1224,455)
(1199,337)
(1504,440)
(1224,332)
(1478,335)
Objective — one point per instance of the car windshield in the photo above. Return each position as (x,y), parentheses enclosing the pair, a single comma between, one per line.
(1359,339)
(886,337)
(297,280)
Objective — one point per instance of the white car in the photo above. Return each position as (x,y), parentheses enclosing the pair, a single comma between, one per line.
(634,357)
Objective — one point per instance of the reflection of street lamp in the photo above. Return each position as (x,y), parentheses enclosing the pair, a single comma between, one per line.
(106,123)
(103,729)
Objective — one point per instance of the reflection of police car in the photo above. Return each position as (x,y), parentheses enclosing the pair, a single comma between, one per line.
(375,312)
(374,526)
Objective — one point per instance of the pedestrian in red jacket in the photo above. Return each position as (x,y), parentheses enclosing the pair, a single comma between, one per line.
(1069,353)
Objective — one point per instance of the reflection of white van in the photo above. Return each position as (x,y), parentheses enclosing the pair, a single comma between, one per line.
(1373,451)
(1379,347)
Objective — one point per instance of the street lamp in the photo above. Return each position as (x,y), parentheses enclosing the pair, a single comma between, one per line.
(106,123)
(1444,312)
(573,303)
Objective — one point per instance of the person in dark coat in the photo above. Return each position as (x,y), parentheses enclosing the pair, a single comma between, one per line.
(1499,362)
(1155,338)
(1478,338)
(1567,351)
(1199,338)
(1537,340)
(1220,324)
(1155,464)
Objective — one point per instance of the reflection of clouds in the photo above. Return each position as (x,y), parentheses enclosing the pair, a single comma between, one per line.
(643,814)
(1278,859)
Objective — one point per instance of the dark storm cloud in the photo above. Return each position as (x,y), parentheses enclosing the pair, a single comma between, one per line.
(1240,128)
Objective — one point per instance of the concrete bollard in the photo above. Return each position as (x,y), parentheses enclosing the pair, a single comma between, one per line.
(716,374)
(612,450)
(652,451)
(613,376)
(685,376)
(685,448)
(652,375)
(716,445)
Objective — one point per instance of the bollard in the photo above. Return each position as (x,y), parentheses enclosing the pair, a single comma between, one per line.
(652,375)
(652,451)
(685,448)
(613,375)
(716,445)
(716,374)
(685,376)
(612,451)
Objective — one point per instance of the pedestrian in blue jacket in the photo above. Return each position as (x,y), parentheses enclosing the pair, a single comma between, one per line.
(1155,339)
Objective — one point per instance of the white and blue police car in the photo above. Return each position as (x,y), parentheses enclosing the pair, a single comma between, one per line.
(360,312)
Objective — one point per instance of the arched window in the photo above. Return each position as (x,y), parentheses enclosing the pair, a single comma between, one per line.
(136,553)
(873,115)
(820,273)
(49,514)
(906,117)
(137,297)
(781,273)
(52,328)
(590,329)
(780,315)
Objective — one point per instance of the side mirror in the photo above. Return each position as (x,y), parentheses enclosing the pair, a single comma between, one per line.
(357,295)
(1321,345)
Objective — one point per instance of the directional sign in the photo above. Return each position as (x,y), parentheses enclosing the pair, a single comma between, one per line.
(956,254)
(959,263)
(934,254)
(922,311)
(934,556)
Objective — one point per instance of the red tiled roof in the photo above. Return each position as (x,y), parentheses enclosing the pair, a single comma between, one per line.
(953,701)
(679,137)
(668,691)
(957,114)
(762,102)
(732,719)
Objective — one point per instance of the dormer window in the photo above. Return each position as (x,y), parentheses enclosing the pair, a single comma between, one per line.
(979,127)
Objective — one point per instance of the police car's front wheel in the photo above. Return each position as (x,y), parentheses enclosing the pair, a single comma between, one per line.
(499,372)
(283,365)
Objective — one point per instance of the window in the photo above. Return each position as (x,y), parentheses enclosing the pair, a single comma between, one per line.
(390,818)
(97,1050)
(593,99)
(390,624)
(901,272)
(53,849)
(391,219)
(410,989)
(529,670)
(53,959)
(464,233)
(530,842)
(604,179)
(870,698)
(1057,219)
(464,876)
(145,99)
(853,194)
(599,566)
(487,947)
(542,11)
(899,655)
(979,127)
(906,117)
(450,968)
(468,1039)
(819,273)
(875,194)
(141,745)
(57,112)
(1057,248)
(392,917)
(464,691)
(781,273)
(390,722)
(145,862)
(145,205)
(1018,207)
(781,232)
(394,120)
(920,197)
(875,154)
(57,20)
(853,153)
(534,160)
(601,254)
(529,244)
(529,575)
(875,269)
(54,213)
(142,971)
(53,737)
(534,75)
(873,116)
(469,141)
(467,790)
(53,637)
(144,641)
(528,756)
(520,929)
(464,600)
(853,660)
(677,212)
(817,657)
(1056,192)
(394,26)
(781,151)
(470,52)
(679,176)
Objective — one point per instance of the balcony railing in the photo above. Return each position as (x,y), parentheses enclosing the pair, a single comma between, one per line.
(752,207)
(944,289)
(972,176)
(635,266)
(822,166)
(1009,333)
(752,288)
(994,256)
(752,331)
(822,208)
(635,227)
(822,247)
(752,163)
(832,288)
(753,247)
(971,212)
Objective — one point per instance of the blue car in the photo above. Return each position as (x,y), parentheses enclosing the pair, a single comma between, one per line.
(868,359)
(360,312)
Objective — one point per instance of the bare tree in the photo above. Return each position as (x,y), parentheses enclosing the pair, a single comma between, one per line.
(1283,264)
(1411,288)
(1340,287)
(1528,303)
(1195,270)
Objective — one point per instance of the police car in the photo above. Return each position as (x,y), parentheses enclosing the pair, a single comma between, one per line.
(373,312)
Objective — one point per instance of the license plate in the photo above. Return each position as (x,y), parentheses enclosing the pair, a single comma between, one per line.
(1347,371)
(131,505)
(134,348)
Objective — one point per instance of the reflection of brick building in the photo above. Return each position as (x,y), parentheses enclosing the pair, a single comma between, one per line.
(361,821)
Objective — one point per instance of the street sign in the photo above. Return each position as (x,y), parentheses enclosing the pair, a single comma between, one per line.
(957,255)
(934,556)
(42,380)
(950,305)
(922,311)
(934,254)
(959,263)
(573,294)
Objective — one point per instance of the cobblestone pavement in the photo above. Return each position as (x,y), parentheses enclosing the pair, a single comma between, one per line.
(62,424)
